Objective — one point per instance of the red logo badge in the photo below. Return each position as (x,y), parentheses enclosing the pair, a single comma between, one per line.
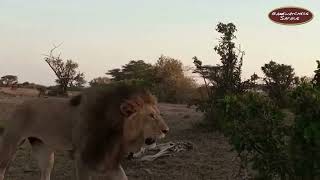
(290,15)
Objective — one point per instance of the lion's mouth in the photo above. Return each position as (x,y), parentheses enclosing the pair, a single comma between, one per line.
(149,141)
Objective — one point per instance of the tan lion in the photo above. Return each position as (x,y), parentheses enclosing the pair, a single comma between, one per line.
(97,127)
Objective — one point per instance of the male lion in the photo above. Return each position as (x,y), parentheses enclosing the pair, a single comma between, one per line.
(96,127)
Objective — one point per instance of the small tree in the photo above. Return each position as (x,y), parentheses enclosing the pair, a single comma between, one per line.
(279,78)
(9,80)
(254,77)
(66,72)
(224,78)
(171,83)
(230,76)
(204,72)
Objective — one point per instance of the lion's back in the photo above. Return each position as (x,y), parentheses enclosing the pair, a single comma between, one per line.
(42,116)
(43,107)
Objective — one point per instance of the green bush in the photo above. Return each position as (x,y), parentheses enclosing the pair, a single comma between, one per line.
(274,143)
(305,142)
(265,139)
(254,126)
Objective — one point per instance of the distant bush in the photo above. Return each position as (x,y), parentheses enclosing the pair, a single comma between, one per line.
(166,79)
(132,82)
(55,91)
(31,85)
(99,81)
(25,84)
(8,80)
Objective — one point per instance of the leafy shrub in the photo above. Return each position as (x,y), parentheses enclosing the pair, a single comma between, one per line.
(305,143)
(264,138)
(274,143)
(253,124)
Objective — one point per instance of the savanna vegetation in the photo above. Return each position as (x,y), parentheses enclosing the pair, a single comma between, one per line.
(166,78)
(272,122)
(274,126)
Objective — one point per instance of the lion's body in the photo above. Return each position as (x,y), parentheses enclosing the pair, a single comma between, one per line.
(98,127)
(50,120)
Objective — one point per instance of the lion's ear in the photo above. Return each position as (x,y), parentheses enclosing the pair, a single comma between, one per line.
(131,106)
(76,100)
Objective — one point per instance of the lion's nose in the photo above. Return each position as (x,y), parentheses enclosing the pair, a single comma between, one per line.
(165,131)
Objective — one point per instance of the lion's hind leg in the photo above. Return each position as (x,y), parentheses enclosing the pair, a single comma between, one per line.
(44,155)
(8,146)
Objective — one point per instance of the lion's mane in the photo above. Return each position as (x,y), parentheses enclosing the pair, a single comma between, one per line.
(103,122)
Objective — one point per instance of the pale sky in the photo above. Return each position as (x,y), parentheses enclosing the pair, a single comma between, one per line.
(101,35)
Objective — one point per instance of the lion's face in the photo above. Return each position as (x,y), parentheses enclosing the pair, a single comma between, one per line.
(112,122)
(154,125)
(144,125)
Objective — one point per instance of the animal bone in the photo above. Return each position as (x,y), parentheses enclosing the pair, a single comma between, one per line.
(161,150)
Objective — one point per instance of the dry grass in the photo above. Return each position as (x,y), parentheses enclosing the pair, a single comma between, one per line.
(20,91)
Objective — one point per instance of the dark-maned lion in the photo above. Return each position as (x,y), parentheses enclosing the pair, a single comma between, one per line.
(97,127)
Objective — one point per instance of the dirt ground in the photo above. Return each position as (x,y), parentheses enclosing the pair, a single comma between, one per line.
(211,159)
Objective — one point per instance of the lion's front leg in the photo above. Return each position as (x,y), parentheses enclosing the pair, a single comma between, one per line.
(44,156)
(124,176)
(82,173)
(117,175)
